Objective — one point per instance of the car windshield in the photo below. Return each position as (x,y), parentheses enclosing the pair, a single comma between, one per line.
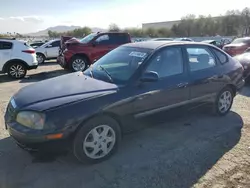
(119,65)
(88,38)
(240,40)
(46,44)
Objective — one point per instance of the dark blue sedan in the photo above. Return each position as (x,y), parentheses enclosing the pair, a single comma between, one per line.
(89,111)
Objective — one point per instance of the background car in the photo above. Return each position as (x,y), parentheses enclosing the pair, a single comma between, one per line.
(184,39)
(244,59)
(79,54)
(237,46)
(49,50)
(16,57)
(213,42)
(162,39)
(89,111)
(36,44)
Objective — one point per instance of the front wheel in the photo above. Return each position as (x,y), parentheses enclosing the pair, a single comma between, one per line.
(224,102)
(97,140)
(40,58)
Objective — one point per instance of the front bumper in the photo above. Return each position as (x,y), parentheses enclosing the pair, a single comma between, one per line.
(32,67)
(61,61)
(34,140)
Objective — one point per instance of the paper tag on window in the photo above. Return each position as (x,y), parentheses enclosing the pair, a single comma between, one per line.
(137,54)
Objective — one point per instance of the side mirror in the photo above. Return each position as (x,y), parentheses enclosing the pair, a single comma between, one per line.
(49,46)
(150,77)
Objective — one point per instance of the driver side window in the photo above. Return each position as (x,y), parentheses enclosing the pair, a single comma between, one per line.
(167,62)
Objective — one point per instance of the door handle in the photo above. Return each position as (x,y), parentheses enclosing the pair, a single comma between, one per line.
(181,85)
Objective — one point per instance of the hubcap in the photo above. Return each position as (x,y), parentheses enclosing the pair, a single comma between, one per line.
(39,58)
(17,71)
(225,101)
(79,65)
(99,142)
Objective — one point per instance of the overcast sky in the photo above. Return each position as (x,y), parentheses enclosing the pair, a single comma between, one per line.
(25,16)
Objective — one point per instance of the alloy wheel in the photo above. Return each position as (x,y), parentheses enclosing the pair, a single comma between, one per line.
(17,71)
(79,65)
(225,101)
(99,142)
(40,59)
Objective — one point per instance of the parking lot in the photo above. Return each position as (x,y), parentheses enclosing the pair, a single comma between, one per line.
(191,149)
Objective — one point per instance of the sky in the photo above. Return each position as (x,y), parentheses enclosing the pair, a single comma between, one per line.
(26,16)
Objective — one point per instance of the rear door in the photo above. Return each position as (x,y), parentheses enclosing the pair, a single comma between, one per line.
(5,52)
(171,90)
(205,76)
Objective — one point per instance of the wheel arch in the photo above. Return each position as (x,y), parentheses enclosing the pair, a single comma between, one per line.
(233,87)
(5,67)
(81,55)
(107,114)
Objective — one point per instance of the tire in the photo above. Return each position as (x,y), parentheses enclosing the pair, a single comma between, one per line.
(16,70)
(225,97)
(88,148)
(40,58)
(79,63)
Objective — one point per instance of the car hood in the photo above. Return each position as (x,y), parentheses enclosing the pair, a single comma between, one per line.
(235,45)
(243,58)
(63,89)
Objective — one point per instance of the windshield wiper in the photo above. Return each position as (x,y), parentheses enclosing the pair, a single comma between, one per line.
(107,73)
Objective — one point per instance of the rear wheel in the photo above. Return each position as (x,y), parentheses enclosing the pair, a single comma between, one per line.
(17,70)
(224,102)
(97,140)
(79,63)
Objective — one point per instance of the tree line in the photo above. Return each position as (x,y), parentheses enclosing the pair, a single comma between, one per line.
(232,23)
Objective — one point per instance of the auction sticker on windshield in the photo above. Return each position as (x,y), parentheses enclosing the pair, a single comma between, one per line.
(138,54)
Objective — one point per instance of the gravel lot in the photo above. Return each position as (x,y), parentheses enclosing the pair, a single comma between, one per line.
(190,150)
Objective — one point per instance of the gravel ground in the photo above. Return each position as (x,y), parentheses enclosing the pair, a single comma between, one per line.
(191,150)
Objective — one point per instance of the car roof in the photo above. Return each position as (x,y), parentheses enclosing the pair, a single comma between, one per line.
(157,44)
(207,41)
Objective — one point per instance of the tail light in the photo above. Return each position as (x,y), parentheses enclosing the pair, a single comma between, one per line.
(29,51)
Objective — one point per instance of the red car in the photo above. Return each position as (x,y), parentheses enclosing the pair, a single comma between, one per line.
(79,54)
(238,46)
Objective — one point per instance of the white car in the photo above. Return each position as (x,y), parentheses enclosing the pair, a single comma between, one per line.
(49,50)
(16,57)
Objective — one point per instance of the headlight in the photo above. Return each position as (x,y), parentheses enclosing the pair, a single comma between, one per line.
(34,120)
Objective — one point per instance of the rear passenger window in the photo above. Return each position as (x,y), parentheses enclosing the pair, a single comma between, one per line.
(5,45)
(200,58)
(119,38)
(221,56)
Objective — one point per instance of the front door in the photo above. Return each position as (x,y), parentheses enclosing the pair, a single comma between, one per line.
(102,46)
(53,49)
(171,90)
